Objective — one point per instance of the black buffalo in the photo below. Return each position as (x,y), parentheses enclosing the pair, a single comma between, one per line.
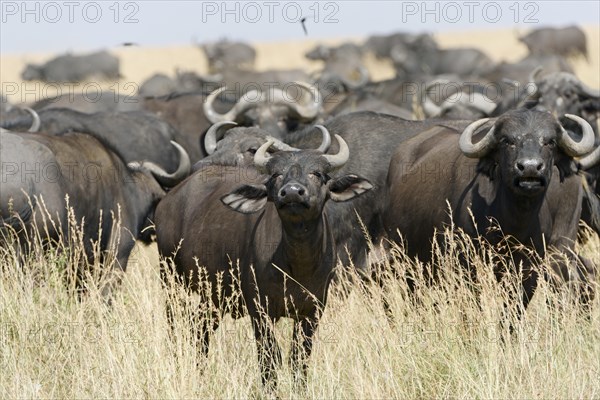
(224,54)
(418,63)
(138,135)
(344,69)
(276,110)
(74,68)
(48,181)
(282,238)
(372,138)
(520,176)
(567,41)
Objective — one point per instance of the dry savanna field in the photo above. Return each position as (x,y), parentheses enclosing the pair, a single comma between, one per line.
(446,341)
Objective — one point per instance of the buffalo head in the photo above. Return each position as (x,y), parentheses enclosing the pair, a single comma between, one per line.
(32,73)
(276,110)
(522,146)
(229,145)
(563,93)
(299,183)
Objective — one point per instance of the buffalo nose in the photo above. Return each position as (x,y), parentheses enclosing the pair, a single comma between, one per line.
(531,165)
(292,192)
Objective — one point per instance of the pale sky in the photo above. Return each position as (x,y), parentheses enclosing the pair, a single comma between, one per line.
(58,26)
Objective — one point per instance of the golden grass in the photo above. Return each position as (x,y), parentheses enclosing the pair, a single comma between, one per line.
(439,344)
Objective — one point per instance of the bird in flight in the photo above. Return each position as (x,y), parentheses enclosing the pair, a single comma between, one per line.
(302,22)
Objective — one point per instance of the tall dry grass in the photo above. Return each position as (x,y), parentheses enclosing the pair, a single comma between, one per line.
(446,341)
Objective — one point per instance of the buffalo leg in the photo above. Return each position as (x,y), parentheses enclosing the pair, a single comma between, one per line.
(580,272)
(269,353)
(522,298)
(302,343)
(114,275)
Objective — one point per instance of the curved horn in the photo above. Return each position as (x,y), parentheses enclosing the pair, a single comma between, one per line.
(533,74)
(209,110)
(311,108)
(326,142)
(591,160)
(480,101)
(588,90)
(163,177)
(261,157)
(216,133)
(431,109)
(35,125)
(281,146)
(212,78)
(337,161)
(584,146)
(531,87)
(482,147)
(242,104)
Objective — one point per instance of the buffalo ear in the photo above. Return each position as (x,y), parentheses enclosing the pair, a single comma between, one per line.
(487,166)
(348,187)
(566,165)
(246,199)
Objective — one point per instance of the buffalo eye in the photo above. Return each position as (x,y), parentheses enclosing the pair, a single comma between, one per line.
(252,150)
(321,176)
(551,143)
(507,141)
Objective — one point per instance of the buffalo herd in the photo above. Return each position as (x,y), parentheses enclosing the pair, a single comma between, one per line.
(265,193)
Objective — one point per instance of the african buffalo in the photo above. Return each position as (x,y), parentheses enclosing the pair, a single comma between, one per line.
(137,134)
(184,81)
(184,111)
(242,81)
(344,69)
(563,93)
(520,71)
(287,252)
(413,64)
(74,68)
(103,101)
(50,180)
(224,54)
(383,45)
(363,100)
(372,138)
(567,41)
(519,177)
(457,100)
(231,145)
(276,110)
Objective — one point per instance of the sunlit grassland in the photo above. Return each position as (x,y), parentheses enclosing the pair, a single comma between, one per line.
(443,341)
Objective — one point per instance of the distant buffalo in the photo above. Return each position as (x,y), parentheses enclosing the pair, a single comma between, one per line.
(72,68)
(567,41)
(224,54)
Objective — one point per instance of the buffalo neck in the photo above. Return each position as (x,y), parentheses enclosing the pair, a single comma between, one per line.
(306,245)
(517,214)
